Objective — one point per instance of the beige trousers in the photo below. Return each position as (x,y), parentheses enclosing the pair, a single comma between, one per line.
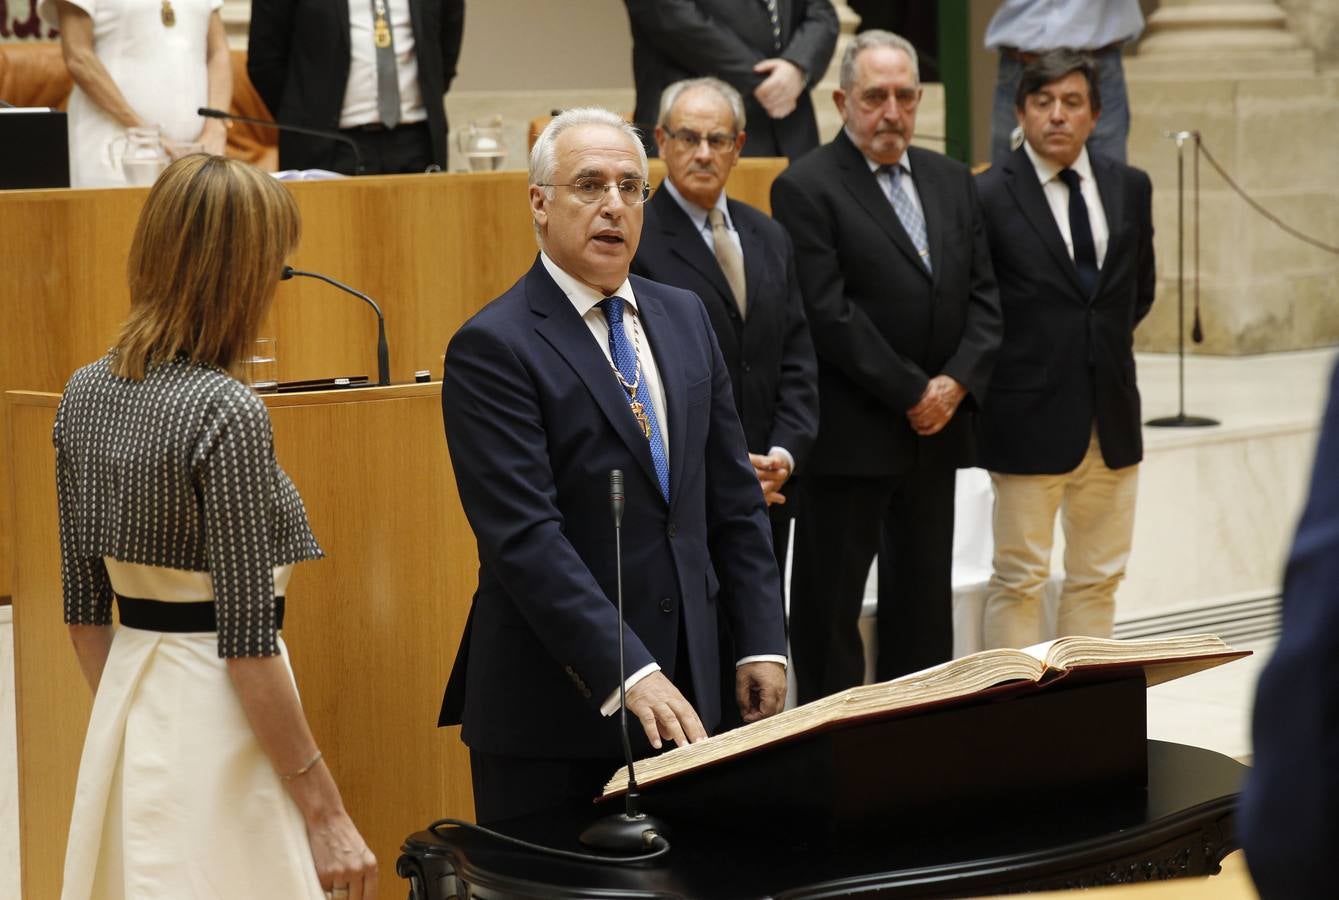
(1096,506)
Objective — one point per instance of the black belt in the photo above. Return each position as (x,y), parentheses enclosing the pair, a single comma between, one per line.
(1027,57)
(177,618)
(379,126)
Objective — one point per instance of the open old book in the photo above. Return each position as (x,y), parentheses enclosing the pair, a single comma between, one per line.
(980,676)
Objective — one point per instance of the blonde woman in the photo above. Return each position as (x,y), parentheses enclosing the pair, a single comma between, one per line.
(200,776)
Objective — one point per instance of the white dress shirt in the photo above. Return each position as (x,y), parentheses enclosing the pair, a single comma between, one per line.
(585,299)
(885,179)
(1057,198)
(360,93)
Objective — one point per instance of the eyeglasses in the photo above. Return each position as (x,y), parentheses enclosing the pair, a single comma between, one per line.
(633,191)
(876,98)
(687,139)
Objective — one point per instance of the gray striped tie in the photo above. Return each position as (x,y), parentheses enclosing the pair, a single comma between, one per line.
(909,214)
(388,80)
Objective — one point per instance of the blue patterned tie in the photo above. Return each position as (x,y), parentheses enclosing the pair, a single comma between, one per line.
(625,359)
(909,215)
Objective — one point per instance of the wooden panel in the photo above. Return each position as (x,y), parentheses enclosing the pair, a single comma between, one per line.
(373,628)
(431,249)
(52,701)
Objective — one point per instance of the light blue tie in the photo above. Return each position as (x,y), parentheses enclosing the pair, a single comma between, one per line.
(909,215)
(625,360)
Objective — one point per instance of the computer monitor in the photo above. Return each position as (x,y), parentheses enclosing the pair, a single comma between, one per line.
(36,148)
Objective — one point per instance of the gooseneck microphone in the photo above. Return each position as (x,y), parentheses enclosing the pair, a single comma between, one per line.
(383,353)
(358,169)
(631,830)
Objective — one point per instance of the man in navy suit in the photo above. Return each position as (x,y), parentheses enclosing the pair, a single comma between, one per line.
(577,370)
(1289,814)
(1071,238)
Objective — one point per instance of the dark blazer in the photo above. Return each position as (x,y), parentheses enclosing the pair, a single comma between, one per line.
(298,59)
(1289,810)
(882,325)
(770,356)
(535,421)
(1067,359)
(677,39)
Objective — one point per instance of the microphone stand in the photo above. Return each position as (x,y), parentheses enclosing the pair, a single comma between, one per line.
(1181,420)
(358,169)
(383,353)
(631,830)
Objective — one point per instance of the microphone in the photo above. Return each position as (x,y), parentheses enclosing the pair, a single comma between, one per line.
(209,113)
(383,354)
(631,830)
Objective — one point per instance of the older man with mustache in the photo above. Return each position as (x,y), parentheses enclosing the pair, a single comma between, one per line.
(901,300)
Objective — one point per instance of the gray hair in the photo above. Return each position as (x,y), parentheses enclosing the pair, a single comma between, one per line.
(868,40)
(671,96)
(543,157)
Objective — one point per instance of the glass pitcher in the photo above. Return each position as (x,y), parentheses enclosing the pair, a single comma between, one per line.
(482,145)
(139,154)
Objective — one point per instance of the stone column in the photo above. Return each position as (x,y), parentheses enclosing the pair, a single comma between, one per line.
(1233,72)
(1220,35)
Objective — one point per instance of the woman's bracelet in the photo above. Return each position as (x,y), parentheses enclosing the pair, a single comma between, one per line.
(304,770)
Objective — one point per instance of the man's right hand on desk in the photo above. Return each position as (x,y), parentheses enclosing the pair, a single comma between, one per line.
(663,712)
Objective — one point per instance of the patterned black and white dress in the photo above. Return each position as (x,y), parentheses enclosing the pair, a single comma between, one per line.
(169,493)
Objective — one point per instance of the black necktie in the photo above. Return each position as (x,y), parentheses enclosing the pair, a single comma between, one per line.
(1081,233)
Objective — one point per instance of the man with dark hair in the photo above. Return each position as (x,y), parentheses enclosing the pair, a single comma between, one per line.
(1071,237)
(1022,30)
(771,51)
(898,288)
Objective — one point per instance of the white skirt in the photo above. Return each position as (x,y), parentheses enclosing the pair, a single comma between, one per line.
(175,796)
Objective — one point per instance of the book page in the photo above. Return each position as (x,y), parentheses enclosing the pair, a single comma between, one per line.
(937,685)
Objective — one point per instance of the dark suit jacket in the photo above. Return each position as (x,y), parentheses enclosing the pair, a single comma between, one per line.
(770,356)
(1290,806)
(1067,359)
(882,325)
(535,421)
(298,59)
(677,39)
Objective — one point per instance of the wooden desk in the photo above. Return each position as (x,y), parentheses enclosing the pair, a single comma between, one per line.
(431,249)
(1182,825)
(373,627)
